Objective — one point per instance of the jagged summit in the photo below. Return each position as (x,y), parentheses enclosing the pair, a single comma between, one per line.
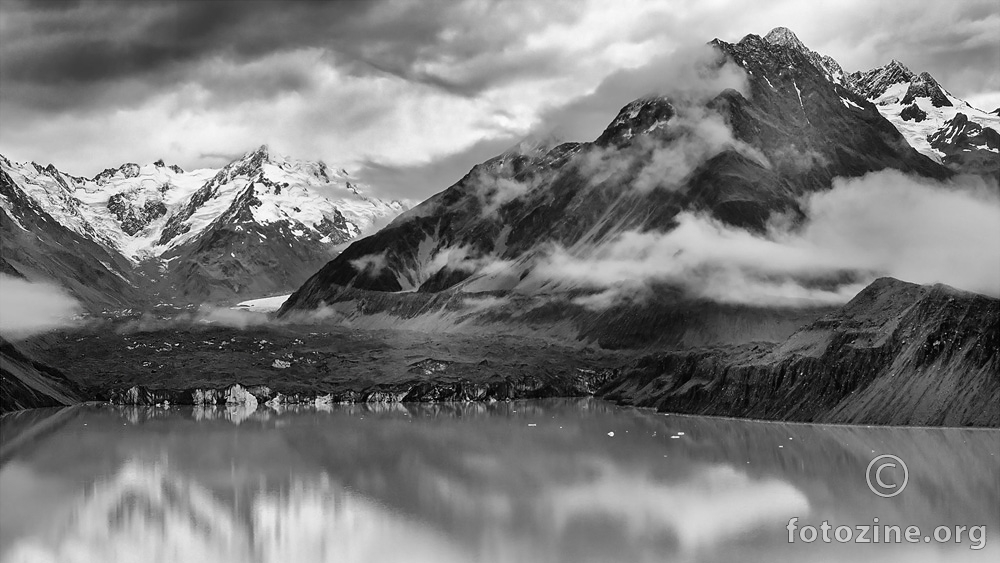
(872,84)
(127,170)
(784,37)
(924,86)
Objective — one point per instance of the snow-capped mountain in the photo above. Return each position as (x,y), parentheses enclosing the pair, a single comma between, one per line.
(932,119)
(159,217)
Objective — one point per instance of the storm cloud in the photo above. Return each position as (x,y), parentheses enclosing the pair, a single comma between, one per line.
(28,308)
(407,94)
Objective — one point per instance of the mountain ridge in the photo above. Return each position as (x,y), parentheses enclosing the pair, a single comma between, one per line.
(152,215)
(919,107)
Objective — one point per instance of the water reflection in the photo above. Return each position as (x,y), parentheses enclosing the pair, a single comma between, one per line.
(529,481)
(717,504)
(149,513)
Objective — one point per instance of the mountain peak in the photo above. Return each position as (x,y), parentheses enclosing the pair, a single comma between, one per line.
(785,37)
(924,86)
(895,64)
(259,154)
(127,170)
(872,84)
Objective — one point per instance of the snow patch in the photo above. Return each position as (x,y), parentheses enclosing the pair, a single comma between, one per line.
(263,305)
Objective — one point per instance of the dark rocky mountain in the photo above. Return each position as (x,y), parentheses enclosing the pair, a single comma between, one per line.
(138,235)
(898,353)
(793,131)
(913,112)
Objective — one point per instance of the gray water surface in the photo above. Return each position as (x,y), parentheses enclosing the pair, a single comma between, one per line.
(554,480)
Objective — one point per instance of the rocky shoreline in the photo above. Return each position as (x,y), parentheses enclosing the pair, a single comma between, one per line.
(586,383)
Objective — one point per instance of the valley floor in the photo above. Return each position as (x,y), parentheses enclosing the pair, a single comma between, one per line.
(199,363)
(302,362)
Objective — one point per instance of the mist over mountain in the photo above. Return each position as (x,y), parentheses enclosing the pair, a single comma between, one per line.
(739,145)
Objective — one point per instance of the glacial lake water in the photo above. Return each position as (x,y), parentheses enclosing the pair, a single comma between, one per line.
(554,480)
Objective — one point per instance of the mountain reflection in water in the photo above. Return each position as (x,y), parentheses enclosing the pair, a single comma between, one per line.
(558,480)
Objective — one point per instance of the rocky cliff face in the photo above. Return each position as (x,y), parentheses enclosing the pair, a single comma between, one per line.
(134,215)
(898,353)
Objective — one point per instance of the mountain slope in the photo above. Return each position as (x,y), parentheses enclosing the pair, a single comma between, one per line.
(35,245)
(898,353)
(27,383)
(186,236)
(792,132)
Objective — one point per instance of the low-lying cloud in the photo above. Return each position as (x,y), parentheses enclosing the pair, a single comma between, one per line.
(665,160)
(884,223)
(238,318)
(692,74)
(29,308)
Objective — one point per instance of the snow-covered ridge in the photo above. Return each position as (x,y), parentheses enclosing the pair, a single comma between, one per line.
(916,104)
(142,211)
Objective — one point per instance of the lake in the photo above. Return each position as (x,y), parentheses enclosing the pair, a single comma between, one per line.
(554,480)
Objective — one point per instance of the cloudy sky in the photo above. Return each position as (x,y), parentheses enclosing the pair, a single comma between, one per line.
(408,95)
